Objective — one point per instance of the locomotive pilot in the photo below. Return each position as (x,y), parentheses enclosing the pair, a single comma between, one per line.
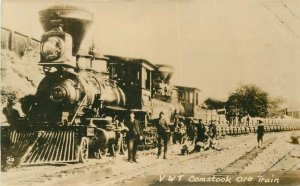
(133,137)
(163,132)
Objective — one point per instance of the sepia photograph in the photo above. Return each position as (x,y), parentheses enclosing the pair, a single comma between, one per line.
(150,92)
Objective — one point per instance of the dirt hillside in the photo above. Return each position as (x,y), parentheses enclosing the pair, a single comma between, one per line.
(20,76)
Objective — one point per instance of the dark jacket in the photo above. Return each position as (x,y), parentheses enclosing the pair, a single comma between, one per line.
(260,130)
(161,126)
(213,129)
(134,129)
(202,136)
(12,115)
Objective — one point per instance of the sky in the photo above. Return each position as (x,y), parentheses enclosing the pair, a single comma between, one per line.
(214,45)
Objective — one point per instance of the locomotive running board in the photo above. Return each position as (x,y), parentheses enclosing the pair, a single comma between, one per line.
(43,146)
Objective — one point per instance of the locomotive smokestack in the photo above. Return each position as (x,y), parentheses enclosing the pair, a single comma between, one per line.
(165,72)
(73,20)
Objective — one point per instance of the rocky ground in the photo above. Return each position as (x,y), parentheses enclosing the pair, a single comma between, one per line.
(280,158)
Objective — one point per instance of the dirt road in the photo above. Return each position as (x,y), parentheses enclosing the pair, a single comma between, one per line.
(189,169)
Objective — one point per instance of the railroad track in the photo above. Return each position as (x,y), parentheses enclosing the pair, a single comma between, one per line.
(122,178)
(31,174)
(142,171)
(237,166)
(37,174)
(107,172)
(287,163)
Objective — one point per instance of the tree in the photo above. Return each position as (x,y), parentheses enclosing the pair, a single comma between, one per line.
(214,103)
(277,107)
(247,100)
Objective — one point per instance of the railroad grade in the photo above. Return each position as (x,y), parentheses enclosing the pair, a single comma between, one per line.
(138,170)
(278,159)
(106,171)
(288,166)
(67,171)
(172,168)
(122,177)
(237,166)
(211,164)
(57,171)
(38,174)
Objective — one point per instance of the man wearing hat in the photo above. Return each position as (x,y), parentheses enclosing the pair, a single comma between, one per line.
(260,133)
(120,132)
(213,130)
(133,137)
(163,134)
(12,115)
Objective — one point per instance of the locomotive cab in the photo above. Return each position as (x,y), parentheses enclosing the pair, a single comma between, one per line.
(134,76)
(147,87)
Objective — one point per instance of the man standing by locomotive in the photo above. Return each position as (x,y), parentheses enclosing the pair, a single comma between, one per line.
(163,132)
(12,115)
(133,137)
(120,130)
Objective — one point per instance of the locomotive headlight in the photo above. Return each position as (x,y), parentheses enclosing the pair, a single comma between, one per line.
(58,94)
(52,48)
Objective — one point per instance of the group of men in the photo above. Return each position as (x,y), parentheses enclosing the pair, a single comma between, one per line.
(194,131)
(204,135)
(134,135)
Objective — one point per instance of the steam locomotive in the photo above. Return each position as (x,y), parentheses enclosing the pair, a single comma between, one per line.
(70,118)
